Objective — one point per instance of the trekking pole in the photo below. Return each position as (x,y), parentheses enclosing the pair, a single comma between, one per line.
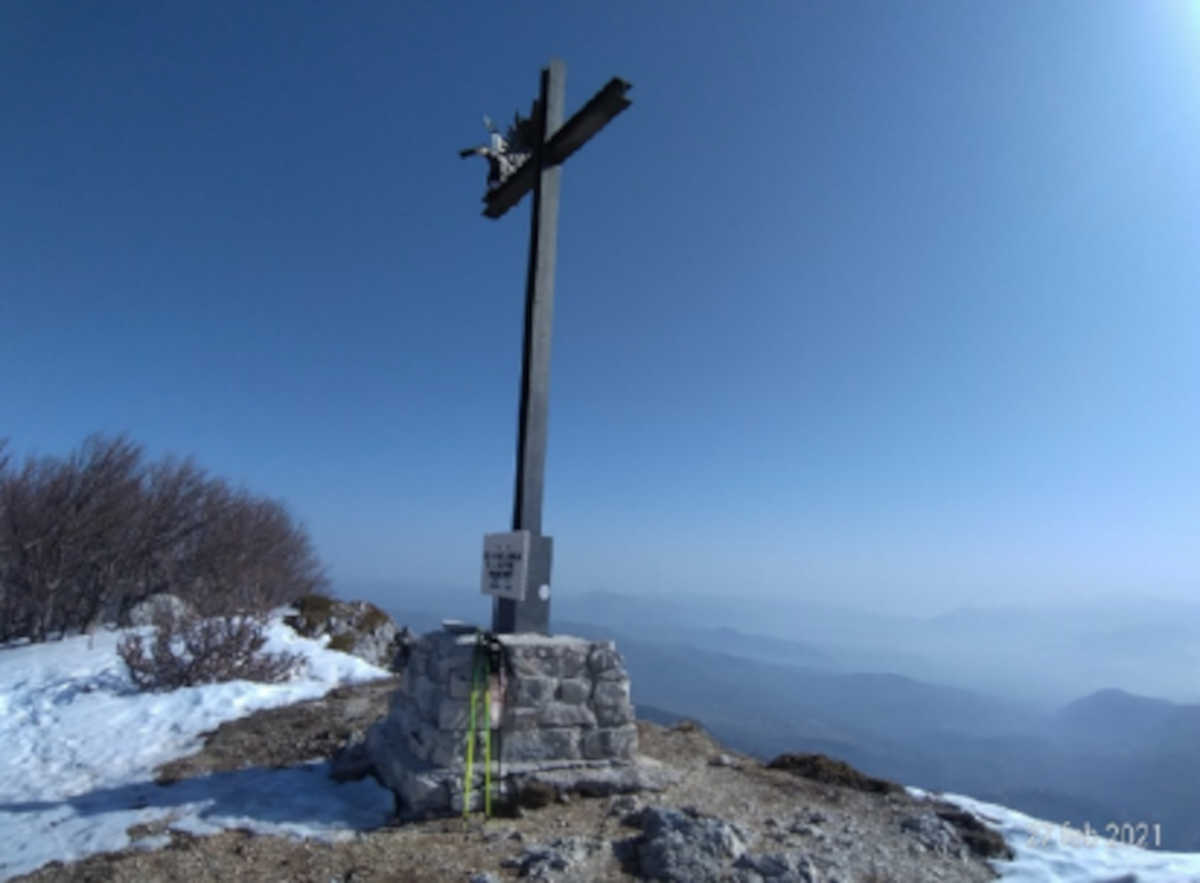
(470,743)
(487,749)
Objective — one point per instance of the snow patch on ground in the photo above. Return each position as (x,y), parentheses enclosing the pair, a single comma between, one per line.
(1045,852)
(81,744)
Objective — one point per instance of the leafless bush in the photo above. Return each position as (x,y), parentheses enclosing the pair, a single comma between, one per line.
(65,527)
(85,538)
(188,650)
(163,538)
(249,556)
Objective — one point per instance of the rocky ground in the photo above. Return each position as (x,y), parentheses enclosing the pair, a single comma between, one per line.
(729,817)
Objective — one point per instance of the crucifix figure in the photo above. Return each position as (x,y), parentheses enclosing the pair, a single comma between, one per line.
(508,152)
(529,158)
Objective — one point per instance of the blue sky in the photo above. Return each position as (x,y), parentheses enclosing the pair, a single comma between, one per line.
(891,303)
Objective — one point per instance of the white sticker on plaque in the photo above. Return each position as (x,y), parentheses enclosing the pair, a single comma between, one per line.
(505,564)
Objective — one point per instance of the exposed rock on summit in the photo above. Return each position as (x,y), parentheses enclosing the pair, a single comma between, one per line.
(356,627)
(146,612)
(821,768)
(685,846)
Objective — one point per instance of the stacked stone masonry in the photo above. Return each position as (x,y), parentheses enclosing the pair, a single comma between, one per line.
(566,704)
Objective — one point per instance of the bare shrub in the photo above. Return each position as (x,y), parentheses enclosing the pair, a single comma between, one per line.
(83,539)
(188,650)
(99,538)
(65,528)
(35,503)
(174,510)
(250,556)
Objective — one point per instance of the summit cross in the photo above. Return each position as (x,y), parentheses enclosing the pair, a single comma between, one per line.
(530,159)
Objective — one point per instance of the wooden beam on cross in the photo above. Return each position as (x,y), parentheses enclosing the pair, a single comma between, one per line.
(586,122)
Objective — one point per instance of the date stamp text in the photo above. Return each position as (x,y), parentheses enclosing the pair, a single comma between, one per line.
(1146,835)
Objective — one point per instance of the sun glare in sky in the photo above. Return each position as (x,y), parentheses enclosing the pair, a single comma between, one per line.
(1189,23)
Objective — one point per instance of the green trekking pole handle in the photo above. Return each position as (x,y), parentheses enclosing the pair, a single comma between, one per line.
(479,681)
(468,780)
(470,755)
(487,751)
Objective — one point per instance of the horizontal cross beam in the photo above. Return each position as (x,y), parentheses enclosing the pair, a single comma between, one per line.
(575,132)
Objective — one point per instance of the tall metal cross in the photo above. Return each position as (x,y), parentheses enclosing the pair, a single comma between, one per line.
(545,142)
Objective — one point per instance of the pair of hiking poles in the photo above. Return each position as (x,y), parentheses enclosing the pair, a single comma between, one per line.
(489,665)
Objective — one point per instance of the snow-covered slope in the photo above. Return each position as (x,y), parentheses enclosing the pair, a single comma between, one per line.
(80,746)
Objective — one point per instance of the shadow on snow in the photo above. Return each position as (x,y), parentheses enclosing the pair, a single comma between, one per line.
(290,797)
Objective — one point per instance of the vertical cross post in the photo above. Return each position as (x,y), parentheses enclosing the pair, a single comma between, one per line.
(533,613)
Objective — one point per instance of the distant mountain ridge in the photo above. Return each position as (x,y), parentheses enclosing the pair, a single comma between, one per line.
(1110,706)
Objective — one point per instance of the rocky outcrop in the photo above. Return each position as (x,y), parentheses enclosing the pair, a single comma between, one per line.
(821,768)
(683,846)
(563,858)
(775,867)
(978,838)
(687,846)
(356,627)
(163,604)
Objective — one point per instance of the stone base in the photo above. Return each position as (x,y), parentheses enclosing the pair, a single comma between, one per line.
(425,792)
(566,721)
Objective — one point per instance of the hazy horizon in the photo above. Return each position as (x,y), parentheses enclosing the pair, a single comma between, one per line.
(888,305)
(394,593)
(1046,654)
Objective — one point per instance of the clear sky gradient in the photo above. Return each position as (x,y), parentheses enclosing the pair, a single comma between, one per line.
(888,303)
